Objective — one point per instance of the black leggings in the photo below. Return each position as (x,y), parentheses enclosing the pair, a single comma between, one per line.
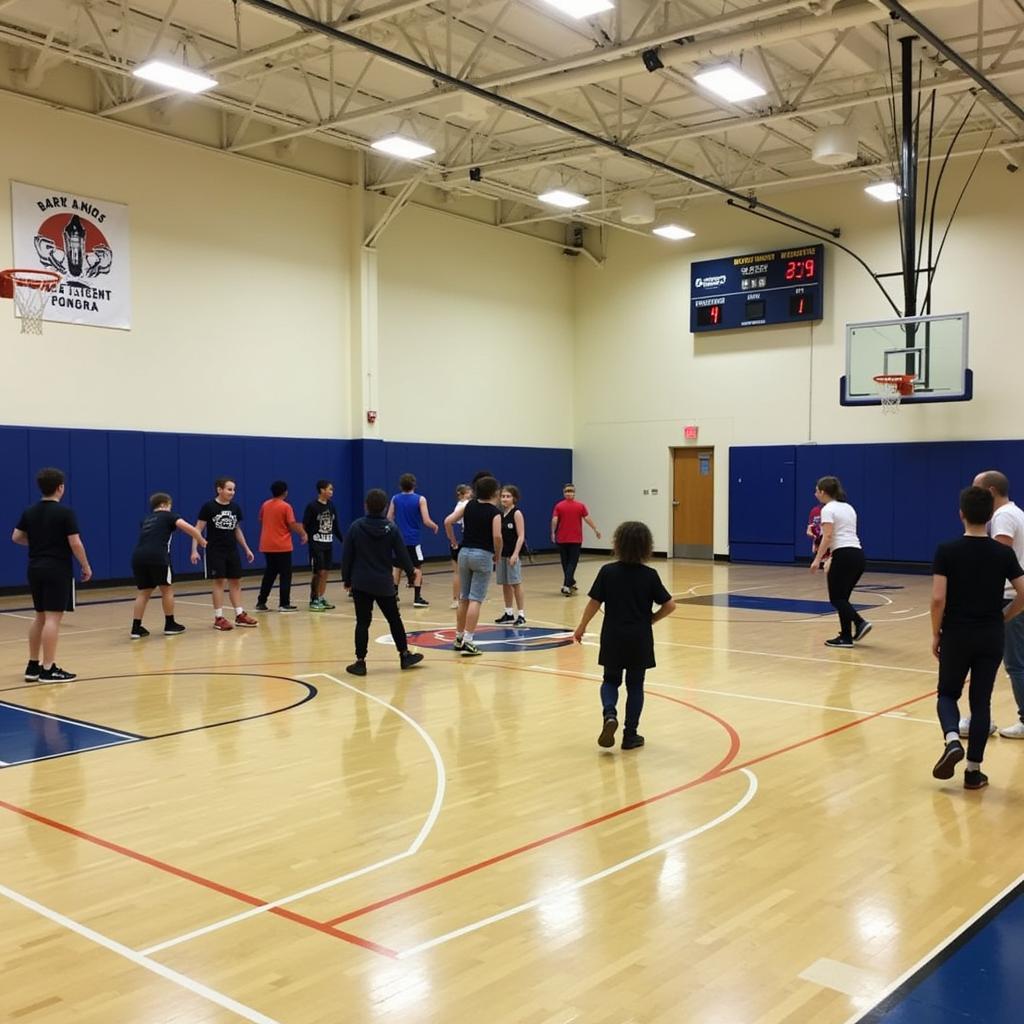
(278,563)
(570,555)
(844,573)
(364,616)
(977,650)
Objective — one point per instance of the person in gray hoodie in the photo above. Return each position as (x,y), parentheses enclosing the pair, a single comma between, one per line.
(372,547)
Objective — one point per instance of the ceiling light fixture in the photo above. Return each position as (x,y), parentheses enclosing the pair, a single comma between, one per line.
(668,225)
(729,83)
(174,76)
(885,191)
(581,8)
(560,197)
(403,148)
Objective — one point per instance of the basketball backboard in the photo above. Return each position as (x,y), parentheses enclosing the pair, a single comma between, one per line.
(931,348)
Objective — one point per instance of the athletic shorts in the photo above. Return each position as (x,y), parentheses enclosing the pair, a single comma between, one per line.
(455,554)
(476,567)
(415,556)
(53,589)
(509,575)
(223,565)
(150,575)
(320,559)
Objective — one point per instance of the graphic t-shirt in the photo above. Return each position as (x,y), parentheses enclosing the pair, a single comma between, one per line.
(221,521)
(814,521)
(321,522)
(408,518)
(48,525)
(154,543)
(276,515)
(1008,521)
(976,570)
(570,521)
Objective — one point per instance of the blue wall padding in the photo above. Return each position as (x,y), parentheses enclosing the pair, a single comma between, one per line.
(906,495)
(111,473)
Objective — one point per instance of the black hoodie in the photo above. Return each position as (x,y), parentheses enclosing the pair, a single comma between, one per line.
(373,545)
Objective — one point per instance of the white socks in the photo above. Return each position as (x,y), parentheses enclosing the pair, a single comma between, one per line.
(973,766)
(950,736)
(218,613)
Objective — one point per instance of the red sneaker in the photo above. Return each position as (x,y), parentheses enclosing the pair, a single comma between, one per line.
(245,620)
(221,623)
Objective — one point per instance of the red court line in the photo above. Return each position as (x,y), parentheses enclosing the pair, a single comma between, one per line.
(726,769)
(734,746)
(207,883)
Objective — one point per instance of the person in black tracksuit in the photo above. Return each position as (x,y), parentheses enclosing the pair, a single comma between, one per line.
(373,546)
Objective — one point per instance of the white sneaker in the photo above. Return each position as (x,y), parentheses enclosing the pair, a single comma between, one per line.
(1013,732)
(965,729)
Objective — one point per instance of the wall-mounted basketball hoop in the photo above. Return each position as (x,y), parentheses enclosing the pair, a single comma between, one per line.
(31,290)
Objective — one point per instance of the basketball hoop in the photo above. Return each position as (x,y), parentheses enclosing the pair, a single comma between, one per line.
(892,387)
(31,290)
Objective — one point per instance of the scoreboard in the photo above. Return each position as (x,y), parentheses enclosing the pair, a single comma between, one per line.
(780,287)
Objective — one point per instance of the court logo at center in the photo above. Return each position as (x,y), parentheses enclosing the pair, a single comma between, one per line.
(500,639)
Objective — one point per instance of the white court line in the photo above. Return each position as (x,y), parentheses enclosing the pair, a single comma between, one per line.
(141,960)
(421,837)
(740,696)
(928,957)
(69,632)
(67,753)
(68,721)
(15,615)
(590,879)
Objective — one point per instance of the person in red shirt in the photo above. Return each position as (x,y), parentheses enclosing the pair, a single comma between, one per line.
(567,521)
(814,532)
(277,523)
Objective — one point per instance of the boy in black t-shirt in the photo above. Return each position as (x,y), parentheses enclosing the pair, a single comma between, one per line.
(967,630)
(320,521)
(151,563)
(50,532)
(221,517)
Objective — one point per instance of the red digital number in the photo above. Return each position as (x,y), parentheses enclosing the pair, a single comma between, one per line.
(800,306)
(716,314)
(799,270)
(809,268)
(791,270)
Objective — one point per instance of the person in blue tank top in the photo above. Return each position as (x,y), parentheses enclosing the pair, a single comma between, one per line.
(408,511)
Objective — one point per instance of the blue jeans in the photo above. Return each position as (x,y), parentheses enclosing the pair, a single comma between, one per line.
(634,695)
(1013,659)
(476,567)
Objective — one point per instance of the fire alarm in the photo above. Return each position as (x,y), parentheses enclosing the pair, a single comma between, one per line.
(690,433)
(371,415)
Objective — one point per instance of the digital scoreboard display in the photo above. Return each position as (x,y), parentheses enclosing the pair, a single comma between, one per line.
(780,287)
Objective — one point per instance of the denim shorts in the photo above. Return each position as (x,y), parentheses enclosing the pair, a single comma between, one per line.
(510,575)
(475,568)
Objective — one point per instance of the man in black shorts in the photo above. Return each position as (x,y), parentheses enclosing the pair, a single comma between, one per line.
(50,531)
(151,563)
(221,517)
(320,521)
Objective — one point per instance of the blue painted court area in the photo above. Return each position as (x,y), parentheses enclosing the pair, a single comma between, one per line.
(27,735)
(763,603)
(977,979)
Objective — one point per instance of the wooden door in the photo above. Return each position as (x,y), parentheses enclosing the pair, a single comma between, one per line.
(693,502)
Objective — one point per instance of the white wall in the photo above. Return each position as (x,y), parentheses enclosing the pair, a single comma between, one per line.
(476,335)
(641,375)
(239,289)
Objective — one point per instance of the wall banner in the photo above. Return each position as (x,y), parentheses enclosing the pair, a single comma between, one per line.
(84,240)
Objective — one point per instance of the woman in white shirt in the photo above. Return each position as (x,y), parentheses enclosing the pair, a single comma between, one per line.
(839,533)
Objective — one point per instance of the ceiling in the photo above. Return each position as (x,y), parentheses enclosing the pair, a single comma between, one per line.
(285,93)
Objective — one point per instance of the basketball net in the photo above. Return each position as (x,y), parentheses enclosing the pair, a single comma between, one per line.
(31,290)
(890,397)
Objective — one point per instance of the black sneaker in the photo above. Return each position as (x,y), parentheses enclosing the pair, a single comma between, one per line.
(173,629)
(138,632)
(53,674)
(357,668)
(630,741)
(458,645)
(288,608)
(470,649)
(566,591)
(862,630)
(408,659)
(32,670)
(838,641)
(421,602)
(951,757)
(520,620)
(505,620)
(607,737)
(261,606)
(975,779)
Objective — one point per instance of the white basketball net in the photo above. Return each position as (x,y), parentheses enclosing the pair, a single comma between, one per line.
(890,396)
(31,294)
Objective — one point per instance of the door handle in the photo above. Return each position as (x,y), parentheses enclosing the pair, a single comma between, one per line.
(675,504)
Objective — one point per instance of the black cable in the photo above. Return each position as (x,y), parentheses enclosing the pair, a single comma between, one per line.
(927,180)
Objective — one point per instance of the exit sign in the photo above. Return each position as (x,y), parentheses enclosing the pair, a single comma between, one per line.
(690,433)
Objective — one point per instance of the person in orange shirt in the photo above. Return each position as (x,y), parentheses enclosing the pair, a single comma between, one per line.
(277,523)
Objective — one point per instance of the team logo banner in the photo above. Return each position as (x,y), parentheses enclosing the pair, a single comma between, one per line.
(84,240)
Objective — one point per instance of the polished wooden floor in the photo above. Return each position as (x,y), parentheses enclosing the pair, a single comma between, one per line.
(279,841)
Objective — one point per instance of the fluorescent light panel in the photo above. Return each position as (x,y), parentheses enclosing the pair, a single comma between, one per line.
(174,76)
(675,232)
(729,83)
(404,149)
(581,8)
(560,197)
(886,191)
